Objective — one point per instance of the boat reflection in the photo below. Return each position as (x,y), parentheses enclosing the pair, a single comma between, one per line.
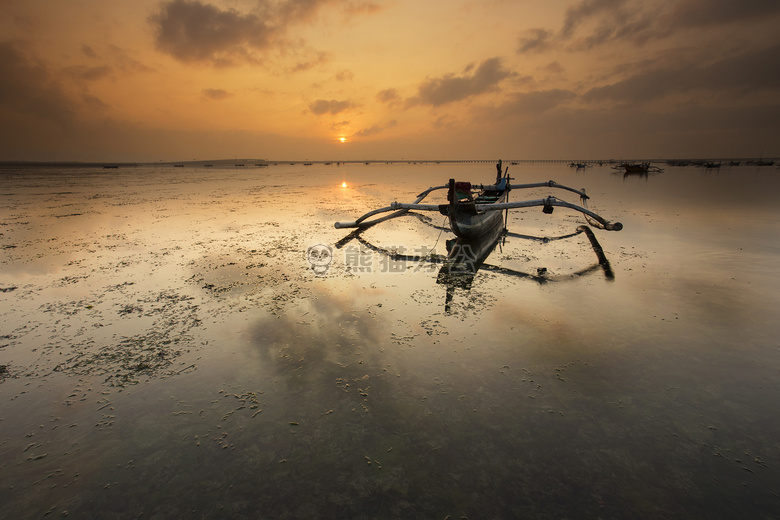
(466,257)
(638,174)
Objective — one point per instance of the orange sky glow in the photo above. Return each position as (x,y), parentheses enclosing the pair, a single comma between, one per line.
(148,80)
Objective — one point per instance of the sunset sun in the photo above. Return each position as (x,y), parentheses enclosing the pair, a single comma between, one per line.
(343,139)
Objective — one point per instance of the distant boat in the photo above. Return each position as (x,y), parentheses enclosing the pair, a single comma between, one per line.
(643,167)
(208,165)
(307,164)
(239,164)
(761,162)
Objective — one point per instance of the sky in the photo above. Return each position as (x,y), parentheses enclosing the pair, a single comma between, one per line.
(144,81)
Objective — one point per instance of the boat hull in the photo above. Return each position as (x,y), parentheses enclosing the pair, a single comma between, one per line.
(467,222)
(466,255)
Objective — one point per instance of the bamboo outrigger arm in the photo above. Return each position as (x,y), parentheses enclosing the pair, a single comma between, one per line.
(362,223)
(549,184)
(549,202)
(401,207)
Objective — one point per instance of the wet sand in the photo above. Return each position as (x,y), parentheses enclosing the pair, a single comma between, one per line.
(167,349)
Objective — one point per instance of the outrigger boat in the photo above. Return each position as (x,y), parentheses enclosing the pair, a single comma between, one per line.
(473,210)
(638,168)
(475,217)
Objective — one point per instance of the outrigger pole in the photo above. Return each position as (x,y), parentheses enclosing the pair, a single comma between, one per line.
(401,208)
(361,223)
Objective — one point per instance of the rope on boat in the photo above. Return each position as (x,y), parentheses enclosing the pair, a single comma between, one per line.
(441,230)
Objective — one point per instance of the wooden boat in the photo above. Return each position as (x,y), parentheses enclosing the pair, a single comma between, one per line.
(760,162)
(475,215)
(466,255)
(465,219)
(473,210)
(643,167)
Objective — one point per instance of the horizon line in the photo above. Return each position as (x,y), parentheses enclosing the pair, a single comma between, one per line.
(238,162)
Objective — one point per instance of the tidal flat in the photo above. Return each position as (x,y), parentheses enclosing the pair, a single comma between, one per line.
(168,348)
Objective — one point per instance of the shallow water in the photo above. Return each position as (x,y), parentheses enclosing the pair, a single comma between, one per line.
(170,351)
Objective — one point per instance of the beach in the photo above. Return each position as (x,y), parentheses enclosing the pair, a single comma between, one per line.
(170,348)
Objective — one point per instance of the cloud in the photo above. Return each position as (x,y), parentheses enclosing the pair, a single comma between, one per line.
(294,10)
(536,40)
(719,12)
(554,68)
(747,72)
(314,59)
(523,104)
(635,21)
(90,73)
(28,89)
(359,8)
(333,107)
(389,96)
(198,32)
(613,20)
(122,60)
(376,129)
(216,94)
(191,31)
(443,122)
(450,88)
(88,51)
(93,102)
(345,75)
(585,9)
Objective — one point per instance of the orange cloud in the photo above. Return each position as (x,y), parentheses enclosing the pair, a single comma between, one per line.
(197,32)
(323,106)
(440,91)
